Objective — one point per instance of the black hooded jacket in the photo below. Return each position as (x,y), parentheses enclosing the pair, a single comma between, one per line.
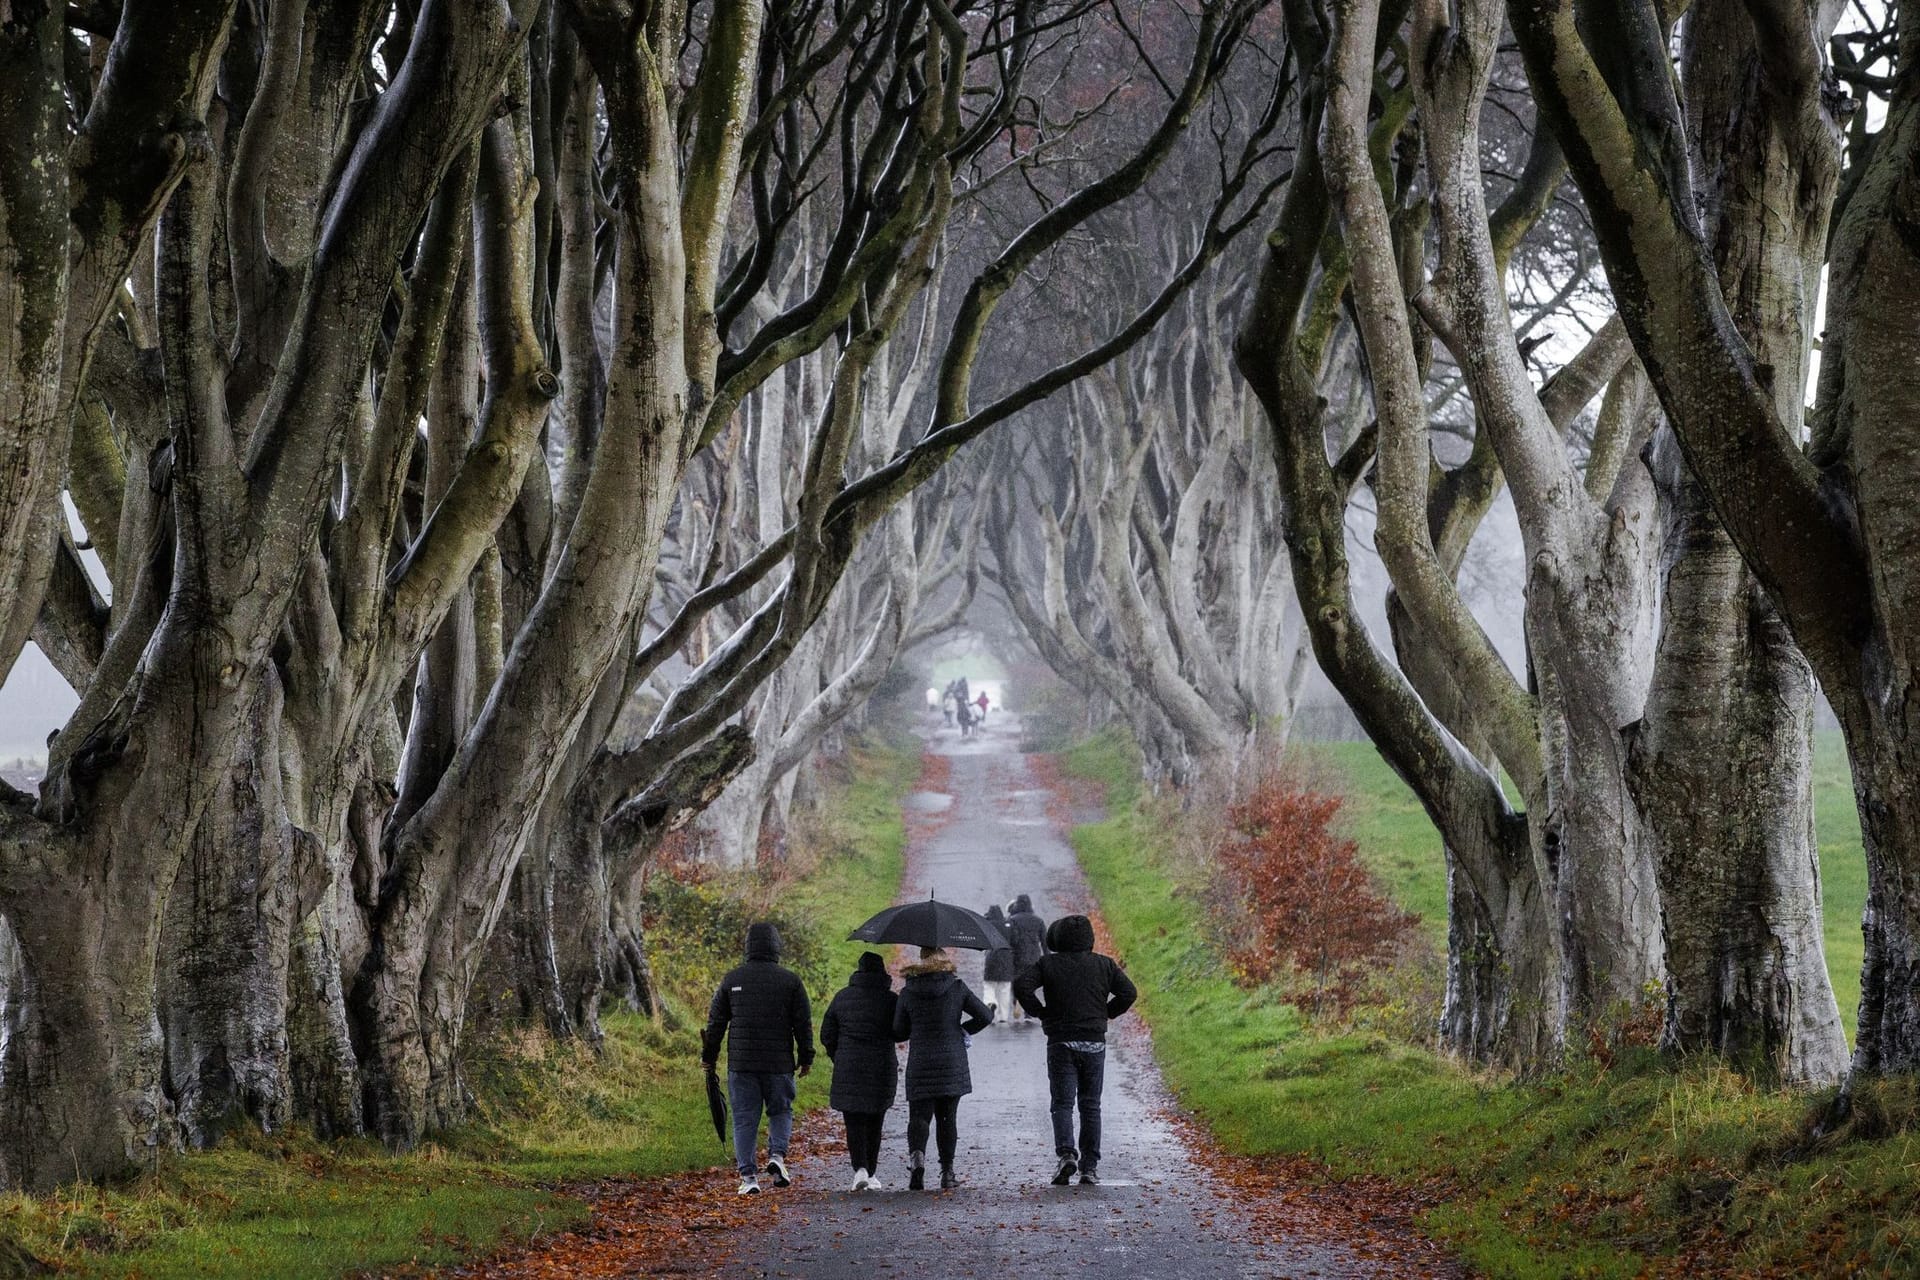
(857,1034)
(1082,989)
(762,1012)
(1027,931)
(999,966)
(935,1014)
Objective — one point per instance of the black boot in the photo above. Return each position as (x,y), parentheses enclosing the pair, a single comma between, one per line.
(948,1179)
(916,1171)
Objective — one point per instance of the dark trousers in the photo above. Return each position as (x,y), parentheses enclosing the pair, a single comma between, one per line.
(1074,1079)
(922,1112)
(863,1138)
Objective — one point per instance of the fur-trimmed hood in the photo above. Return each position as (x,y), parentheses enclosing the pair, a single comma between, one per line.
(926,968)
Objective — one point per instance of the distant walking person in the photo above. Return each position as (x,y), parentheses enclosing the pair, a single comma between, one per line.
(934,700)
(981,702)
(1000,968)
(1028,933)
(761,1011)
(965,712)
(935,1015)
(1083,990)
(857,1034)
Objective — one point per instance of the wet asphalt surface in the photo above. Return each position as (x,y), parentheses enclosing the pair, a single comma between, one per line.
(1157,1213)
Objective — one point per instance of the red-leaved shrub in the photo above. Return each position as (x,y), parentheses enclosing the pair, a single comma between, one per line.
(1294,902)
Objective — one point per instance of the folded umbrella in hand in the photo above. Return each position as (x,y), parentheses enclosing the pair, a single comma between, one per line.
(717,1103)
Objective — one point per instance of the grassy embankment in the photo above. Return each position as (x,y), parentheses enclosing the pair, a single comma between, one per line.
(1603,1170)
(548,1115)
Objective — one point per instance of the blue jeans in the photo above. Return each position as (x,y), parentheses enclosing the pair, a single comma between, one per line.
(748,1092)
(1074,1079)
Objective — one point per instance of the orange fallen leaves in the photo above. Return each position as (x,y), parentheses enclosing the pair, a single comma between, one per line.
(683,1225)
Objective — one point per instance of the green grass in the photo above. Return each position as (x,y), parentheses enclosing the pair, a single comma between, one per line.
(546,1114)
(1111,760)
(1400,845)
(1595,1170)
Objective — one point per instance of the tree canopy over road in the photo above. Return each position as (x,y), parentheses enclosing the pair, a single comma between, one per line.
(451,445)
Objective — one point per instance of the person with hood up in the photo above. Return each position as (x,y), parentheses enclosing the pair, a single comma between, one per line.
(761,1011)
(1000,968)
(935,1015)
(1084,990)
(857,1034)
(1027,932)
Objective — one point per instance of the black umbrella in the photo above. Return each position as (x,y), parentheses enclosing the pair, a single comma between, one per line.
(931,924)
(717,1104)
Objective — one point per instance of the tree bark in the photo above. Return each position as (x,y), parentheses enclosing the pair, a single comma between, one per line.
(226,947)
(1731,716)
(1730,713)
(1829,533)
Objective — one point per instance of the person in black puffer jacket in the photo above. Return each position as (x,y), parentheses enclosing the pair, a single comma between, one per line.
(857,1034)
(999,971)
(1083,991)
(761,1011)
(1028,933)
(935,1015)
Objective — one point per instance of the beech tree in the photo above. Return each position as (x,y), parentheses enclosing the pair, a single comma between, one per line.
(372,345)
(1717,301)
(1612,734)
(676,766)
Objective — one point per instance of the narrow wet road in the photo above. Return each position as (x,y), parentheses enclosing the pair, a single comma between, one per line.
(1158,1212)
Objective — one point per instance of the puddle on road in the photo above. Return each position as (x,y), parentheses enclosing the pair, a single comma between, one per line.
(928,801)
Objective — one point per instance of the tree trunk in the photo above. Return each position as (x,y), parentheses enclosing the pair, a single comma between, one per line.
(1590,613)
(1598,848)
(1502,1004)
(1503,998)
(226,945)
(631,972)
(324,1072)
(1887,791)
(581,936)
(1730,717)
(521,955)
(80,1088)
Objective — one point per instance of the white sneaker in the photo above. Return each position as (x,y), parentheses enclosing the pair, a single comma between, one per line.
(874,1184)
(859,1180)
(777,1168)
(749,1186)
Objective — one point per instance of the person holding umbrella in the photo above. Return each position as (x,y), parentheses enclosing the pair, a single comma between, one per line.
(935,1014)
(857,1034)
(761,1011)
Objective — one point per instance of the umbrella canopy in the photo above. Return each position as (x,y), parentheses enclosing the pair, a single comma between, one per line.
(931,924)
(717,1104)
